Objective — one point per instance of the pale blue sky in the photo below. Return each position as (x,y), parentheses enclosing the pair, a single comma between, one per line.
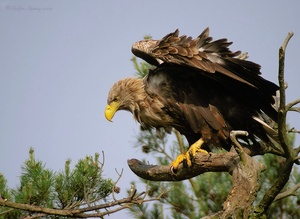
(59,59)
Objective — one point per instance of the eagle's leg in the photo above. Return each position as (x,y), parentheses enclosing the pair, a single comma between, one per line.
(193,149)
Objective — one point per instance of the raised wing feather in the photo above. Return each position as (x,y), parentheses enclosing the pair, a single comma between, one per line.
(201,53)
(212,59)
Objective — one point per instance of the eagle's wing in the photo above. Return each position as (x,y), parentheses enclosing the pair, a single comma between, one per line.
(201,52)
(187,101)
(214,60)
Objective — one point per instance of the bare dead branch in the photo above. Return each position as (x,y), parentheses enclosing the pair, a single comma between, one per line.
(238,147)
(286,40)
(245,176)
(291,104)
(293,130)
(282,107)
(288,192)
(295,109)
(115,188)
(202,163)
(290,153)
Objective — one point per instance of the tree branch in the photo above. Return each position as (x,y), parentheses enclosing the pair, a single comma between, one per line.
(245,175)
(291,104)
(290,153)
(38,209)
(82,212)
(288,192)
(282,107)
(295,109)
(202,163)
(237,145)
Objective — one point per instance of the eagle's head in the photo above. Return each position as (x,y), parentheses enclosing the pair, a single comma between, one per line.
(124,95)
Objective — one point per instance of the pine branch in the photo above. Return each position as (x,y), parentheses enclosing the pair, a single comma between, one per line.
(79,196)
(83,212)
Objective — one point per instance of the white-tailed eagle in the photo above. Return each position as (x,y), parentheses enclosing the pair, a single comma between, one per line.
(199,87)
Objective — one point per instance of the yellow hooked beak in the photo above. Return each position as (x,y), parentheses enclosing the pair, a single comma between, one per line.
(110,110)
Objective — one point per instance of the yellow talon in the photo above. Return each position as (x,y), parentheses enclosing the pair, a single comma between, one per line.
(179,159)
(194,148)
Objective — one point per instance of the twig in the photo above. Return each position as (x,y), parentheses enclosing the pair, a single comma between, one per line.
(237,145)
(115,183)
(291,104)
(293,130)
(286,40)
(5,212)
(162,149)
(295,109)
(288,192)
(179,140)
(103,159)
(132,191)
(35,216)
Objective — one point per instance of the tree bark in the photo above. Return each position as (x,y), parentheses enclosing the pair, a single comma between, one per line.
(245,174)
(202,163)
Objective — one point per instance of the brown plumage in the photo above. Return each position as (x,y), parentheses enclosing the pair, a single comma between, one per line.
(199,87)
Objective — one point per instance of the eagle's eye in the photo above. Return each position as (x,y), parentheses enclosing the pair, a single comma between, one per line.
(115,99)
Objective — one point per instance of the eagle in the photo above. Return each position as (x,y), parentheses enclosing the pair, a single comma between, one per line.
(199,87)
